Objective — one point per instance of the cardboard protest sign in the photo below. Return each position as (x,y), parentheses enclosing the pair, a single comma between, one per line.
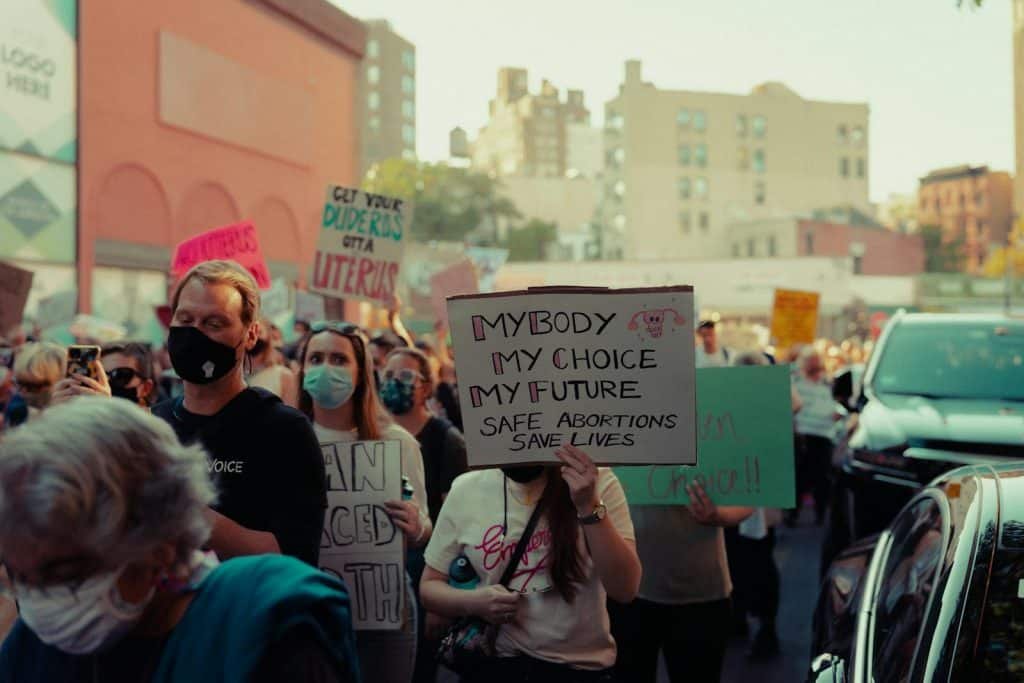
(57,309)
(456,279)
(237,242)
(744,444)
(96,329)
(15,284)
(609,371)
(359,253)
(794,318)
(309,307)
(360,544)
(277,299)
(488,261)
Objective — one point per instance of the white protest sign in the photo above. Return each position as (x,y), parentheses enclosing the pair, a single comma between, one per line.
(277,299)
(609,371)
(359,252)
(309,307)
(360,544)
(57,309)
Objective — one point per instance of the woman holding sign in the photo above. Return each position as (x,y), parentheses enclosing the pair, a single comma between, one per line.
(551,619)
(339,394)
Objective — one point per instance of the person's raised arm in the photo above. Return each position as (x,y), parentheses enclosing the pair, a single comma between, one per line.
(395,320)
(615,558)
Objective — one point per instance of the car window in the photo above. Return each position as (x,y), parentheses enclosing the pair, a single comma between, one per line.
(966,360)
(918,540)
(1000,652)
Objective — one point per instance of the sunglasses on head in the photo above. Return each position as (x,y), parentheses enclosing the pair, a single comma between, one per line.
(334,326)
(122,376)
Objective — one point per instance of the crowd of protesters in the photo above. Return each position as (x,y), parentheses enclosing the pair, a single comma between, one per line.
(173,533)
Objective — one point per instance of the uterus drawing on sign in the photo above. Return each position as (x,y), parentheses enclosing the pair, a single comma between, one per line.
(654,320)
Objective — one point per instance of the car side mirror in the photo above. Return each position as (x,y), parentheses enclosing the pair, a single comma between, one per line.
(828,668)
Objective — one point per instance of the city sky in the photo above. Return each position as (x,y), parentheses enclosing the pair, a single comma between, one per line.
(938,78)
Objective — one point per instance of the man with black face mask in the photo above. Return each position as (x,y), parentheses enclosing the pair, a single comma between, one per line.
(264,456)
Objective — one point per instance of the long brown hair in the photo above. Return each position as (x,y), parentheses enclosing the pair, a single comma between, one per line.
(566,566)
(367,410)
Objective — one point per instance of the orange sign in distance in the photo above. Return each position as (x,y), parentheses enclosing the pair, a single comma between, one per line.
(794,318)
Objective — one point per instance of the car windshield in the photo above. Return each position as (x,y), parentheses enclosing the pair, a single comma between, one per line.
(961,360)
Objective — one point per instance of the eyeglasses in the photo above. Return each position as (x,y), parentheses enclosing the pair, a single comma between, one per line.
(405,375)
(122,376)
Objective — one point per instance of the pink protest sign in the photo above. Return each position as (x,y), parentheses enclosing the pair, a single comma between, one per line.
(458,278)
(236,242)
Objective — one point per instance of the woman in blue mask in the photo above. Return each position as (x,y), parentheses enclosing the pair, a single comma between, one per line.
(339,394)
(102,522)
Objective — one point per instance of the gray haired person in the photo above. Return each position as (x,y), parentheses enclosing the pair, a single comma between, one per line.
(103,514)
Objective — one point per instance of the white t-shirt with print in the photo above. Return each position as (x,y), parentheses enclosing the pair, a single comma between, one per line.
(412,459)
(546,627)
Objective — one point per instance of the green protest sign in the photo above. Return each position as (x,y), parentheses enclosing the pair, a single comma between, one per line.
(744,444)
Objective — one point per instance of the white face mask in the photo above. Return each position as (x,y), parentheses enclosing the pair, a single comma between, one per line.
(81,620)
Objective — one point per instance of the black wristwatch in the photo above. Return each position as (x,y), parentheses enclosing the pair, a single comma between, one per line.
(595,517)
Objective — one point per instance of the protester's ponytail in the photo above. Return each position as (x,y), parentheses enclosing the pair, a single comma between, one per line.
(566,565)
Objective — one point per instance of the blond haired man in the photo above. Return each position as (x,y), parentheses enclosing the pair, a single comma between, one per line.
(264,456)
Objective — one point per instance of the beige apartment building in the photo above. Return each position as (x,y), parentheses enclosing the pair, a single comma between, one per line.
(1018,90)
(387,96)
(681,165)
(527,134)
(970,203)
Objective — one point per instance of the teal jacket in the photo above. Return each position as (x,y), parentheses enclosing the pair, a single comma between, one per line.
(241,608)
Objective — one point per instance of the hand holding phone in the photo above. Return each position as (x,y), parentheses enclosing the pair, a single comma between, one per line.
(83,360)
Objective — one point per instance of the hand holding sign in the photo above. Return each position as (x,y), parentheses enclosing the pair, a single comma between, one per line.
(580,474)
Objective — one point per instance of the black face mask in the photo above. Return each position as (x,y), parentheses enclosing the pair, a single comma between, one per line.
(198,359)
(523,474)
(259,347)
(127,393)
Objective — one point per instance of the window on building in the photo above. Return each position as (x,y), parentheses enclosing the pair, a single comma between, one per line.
(373,100)
(760,126)
(843,133)
(844,167)
(408,84)
(700,155)
(857,135)
(373,74)
(619,188)
(408,134)
(619,155)
(372,49)
(684,188)
(408,109)
(751,248)
(759,193)
(705,221)
(619,221)
(684,155)
(735,250)
(771,245)
(700,187)
(548,112)
(759,162)
(409,60)
(374,123)
(860,168)
(700,122)
(614,120)
(741,125)
(743,159)
(683,118)
(808,243)
(858,264)
(409,154)
(684,222)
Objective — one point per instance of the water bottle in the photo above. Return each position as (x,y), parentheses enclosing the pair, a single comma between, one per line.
(461,574)
(407,489)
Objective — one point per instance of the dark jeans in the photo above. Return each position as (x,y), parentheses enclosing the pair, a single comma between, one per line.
(693,639)
(426,650)
(530,670)
(813,471)
(755,576)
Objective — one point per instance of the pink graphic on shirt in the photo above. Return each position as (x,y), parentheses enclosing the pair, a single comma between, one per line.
(533,567)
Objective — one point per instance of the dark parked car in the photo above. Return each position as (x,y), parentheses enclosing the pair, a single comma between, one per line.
(940,391)
(939,595)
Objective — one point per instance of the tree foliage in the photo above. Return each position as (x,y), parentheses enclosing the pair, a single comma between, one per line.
(449,203)
(998,259)
(531,241)
(941,255)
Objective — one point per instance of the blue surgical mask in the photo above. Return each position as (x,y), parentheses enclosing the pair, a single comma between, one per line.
(330,386)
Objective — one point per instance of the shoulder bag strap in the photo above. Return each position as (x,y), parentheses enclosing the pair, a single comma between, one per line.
(513,564)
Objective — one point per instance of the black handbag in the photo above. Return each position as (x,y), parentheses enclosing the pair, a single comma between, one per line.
(469,642)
